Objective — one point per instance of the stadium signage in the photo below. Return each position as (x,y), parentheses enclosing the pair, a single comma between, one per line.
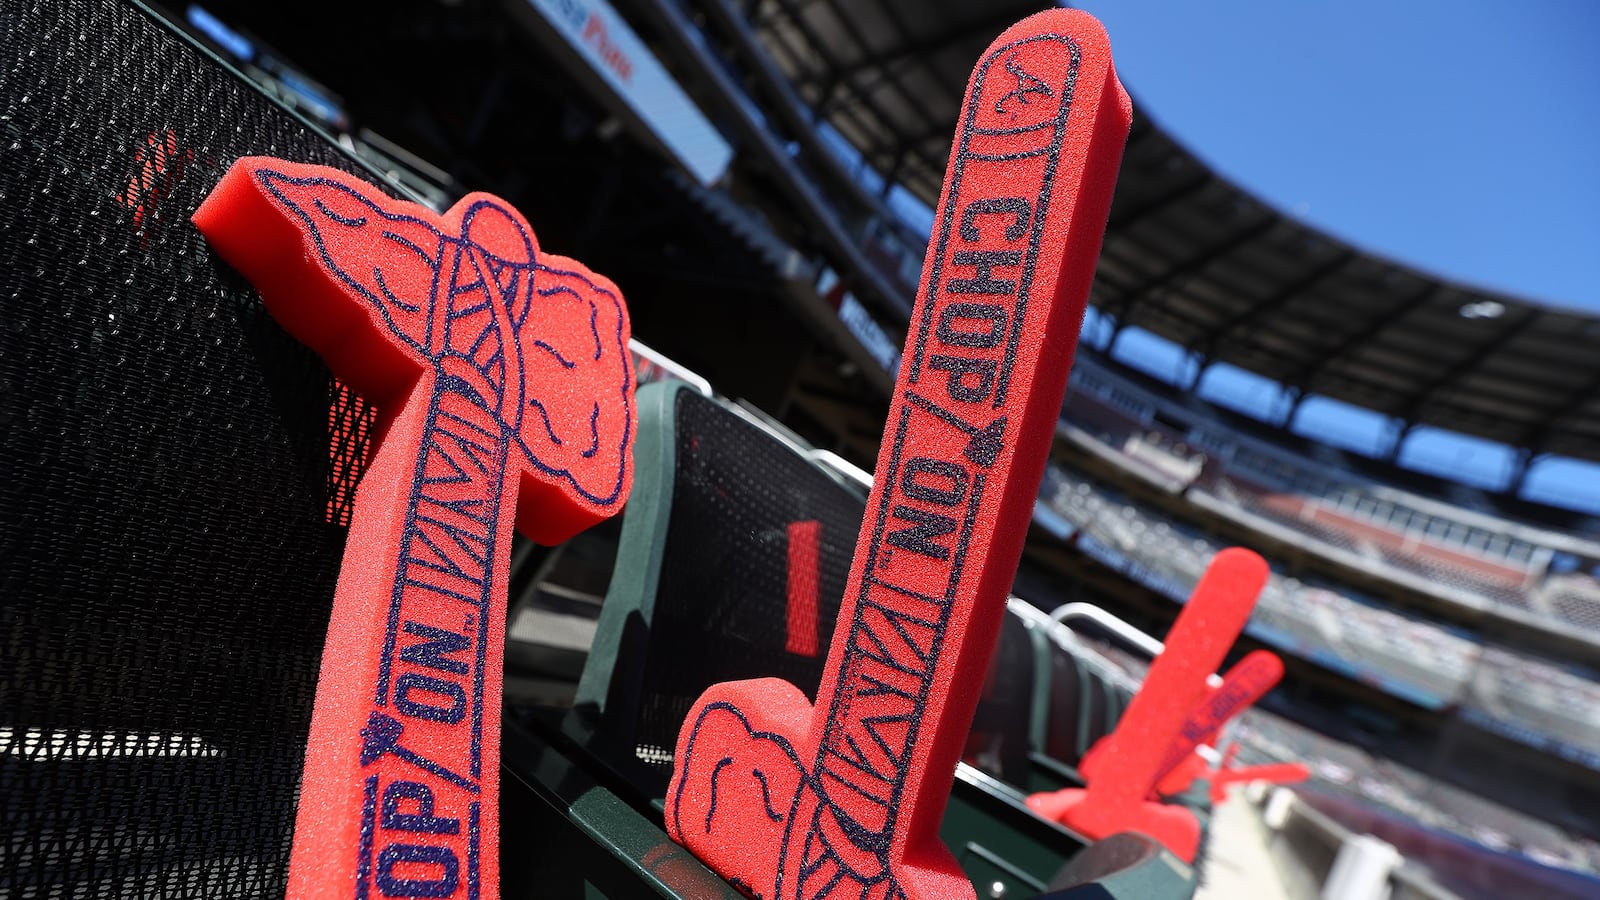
(871,335)
(503,379)
(603,40)
(844,798)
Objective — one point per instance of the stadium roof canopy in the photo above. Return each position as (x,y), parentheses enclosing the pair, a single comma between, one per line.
(1194,259)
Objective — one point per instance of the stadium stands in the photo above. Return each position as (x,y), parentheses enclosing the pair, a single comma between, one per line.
(1473,559)
(1340,768)
(1420,660)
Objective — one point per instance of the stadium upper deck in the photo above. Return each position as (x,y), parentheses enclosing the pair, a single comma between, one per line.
(871,87)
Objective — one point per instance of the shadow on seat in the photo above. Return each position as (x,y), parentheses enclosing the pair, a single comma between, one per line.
(731,564)
(1002,725)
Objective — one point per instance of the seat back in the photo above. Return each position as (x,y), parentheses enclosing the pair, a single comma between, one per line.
(1126,866)
(1082,706)
(1002,724)
(1069,680)
(178,475)
(731,564)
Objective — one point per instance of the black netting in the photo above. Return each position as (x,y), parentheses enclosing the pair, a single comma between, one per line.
(351,422)
(166,554)
(722,604)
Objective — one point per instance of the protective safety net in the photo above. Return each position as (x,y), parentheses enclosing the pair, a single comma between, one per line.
(177,475)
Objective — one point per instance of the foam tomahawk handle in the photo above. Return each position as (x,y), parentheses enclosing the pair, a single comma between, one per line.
(844,799)
(1247,682)
(1131,760)
(502,379)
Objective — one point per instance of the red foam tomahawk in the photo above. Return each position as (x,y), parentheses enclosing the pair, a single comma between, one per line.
(1137,753)
(844,799)
(1248,681)
(503,382)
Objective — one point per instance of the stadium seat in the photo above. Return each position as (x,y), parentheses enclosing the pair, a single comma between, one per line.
(706,590)
(1002,726)
(1127,866)
(731,564)
(1095,714)
(1074,706)
(1068,692)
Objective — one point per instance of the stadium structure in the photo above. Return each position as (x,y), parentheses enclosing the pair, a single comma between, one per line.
(757,175)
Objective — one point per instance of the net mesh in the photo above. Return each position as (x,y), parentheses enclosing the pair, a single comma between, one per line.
(175,484)
(723,600)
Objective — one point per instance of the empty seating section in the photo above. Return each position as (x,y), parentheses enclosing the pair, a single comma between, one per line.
(1077,666)
(1052,693)
(1049,691)
(1417,654)
(1155,454)
(1344,769)
(1102,513)
(1080,673)
(1000,739)
(1067,691)
(1378,545)
(1573,599)
(1381,546)
(1430,544)
(1334,625)
(1555,702)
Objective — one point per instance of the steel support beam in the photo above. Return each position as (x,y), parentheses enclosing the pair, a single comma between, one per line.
(1275,300)
(1119,307)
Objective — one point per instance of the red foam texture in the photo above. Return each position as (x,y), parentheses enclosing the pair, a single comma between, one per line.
(803,587)
(1276,773)
(844,798)
(503,386)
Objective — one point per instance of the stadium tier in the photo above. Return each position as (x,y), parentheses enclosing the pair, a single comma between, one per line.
(1425,662)
(1386,530)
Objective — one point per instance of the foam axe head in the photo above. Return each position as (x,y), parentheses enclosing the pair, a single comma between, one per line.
(844,798)
(1134,754)
(502,379)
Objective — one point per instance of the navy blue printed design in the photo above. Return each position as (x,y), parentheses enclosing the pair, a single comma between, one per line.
(480,319)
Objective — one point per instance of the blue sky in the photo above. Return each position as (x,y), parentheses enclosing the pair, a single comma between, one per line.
(1461,137)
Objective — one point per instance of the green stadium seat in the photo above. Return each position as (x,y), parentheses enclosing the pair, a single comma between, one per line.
(702,587)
